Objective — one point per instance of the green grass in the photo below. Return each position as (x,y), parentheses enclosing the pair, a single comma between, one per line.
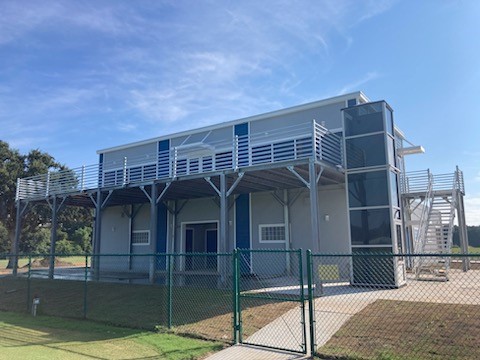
(471,250)
(43,337)
(393,330)
(202,312)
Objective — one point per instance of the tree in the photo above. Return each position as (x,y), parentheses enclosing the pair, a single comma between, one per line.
(36,221)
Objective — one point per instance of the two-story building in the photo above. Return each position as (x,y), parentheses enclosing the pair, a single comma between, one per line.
(327,176)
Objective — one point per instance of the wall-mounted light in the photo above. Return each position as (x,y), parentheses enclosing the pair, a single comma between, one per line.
(326,217)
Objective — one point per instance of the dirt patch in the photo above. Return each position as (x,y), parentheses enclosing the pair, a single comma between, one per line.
(254,317)
(45,262)
(390,329)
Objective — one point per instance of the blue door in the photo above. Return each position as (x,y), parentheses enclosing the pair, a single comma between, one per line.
(211,247)
(188,249)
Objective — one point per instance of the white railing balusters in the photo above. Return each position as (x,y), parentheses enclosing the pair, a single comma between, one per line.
(280,144)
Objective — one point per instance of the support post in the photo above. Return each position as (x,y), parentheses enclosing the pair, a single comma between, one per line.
(16,242)
(53,238)
(153,231)
(311,312)
(223,225)
(98,231)
(462,231)
(314,206)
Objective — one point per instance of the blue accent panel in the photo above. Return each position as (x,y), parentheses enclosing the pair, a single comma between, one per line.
(352,102)
(100,170)
(163,145)
(241,130)
(163,159)
(242,229)
(161,240)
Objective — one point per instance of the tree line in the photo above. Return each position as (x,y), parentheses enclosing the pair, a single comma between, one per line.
(74,230)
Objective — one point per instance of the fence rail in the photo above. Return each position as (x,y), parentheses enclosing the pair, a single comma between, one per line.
(295,142)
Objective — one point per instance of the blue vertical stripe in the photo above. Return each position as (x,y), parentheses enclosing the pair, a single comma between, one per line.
(100,170)
(161,240)
(241,130)
(163,159)
(242,228)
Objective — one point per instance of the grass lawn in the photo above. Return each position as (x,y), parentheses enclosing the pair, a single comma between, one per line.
(203,312)
(410,330)
(471,250)
(43,337)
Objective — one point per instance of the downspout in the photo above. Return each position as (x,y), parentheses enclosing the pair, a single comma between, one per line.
(286,218)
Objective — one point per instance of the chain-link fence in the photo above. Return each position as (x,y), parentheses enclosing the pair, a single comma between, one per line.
(360,306)
(271,302)
(384,306)
(185,293)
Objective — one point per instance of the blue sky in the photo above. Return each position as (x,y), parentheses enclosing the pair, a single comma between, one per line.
(77,76)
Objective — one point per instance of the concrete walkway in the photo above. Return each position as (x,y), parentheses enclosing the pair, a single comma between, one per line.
(246,352)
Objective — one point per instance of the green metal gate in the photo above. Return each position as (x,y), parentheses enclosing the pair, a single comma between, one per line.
(269,299)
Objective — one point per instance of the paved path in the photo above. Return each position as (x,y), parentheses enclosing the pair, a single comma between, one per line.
(246,352)
(340,302)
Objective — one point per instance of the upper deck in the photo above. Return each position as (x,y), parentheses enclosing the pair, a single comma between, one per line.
(274,148)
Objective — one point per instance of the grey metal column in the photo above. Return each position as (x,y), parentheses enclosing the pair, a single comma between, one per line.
(223,226)
(53,238)
(153,230)
(16,242)
(314,206)
(223,214)
(98,231)
(462,231)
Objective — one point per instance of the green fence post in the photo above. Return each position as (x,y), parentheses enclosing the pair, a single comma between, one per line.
(310,303)
(302,299)
(169,290)
(235,298)
(85,288)
(28,282)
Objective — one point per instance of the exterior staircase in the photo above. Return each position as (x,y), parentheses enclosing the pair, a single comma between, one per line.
(437,196)
(436,239)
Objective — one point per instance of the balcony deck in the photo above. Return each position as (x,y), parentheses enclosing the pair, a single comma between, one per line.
(263,160)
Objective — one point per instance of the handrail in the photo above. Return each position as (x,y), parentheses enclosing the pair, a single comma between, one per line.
(293,142)
(418,182)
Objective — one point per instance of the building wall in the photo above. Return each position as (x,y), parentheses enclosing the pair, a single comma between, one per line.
(265,209)
(221,138)
(141,153)
(115,239)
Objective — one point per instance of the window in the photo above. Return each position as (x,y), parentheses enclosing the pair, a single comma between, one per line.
(394,189)
(370,227)
(141,237)
(364,119)
(366,151)
(272,233)
(368,189)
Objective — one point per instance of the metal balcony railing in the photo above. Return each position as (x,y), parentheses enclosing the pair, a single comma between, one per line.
(419,182)
(307,140)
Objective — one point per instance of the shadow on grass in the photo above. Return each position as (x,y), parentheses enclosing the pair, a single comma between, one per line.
(195,310)
(23,336)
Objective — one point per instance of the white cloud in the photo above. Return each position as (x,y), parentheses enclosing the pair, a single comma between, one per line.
(126,66)
(355,85)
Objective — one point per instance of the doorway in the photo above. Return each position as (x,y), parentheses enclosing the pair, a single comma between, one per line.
(201,238)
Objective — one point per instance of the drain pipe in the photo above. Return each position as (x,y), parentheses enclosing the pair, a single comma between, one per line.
(286,219)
